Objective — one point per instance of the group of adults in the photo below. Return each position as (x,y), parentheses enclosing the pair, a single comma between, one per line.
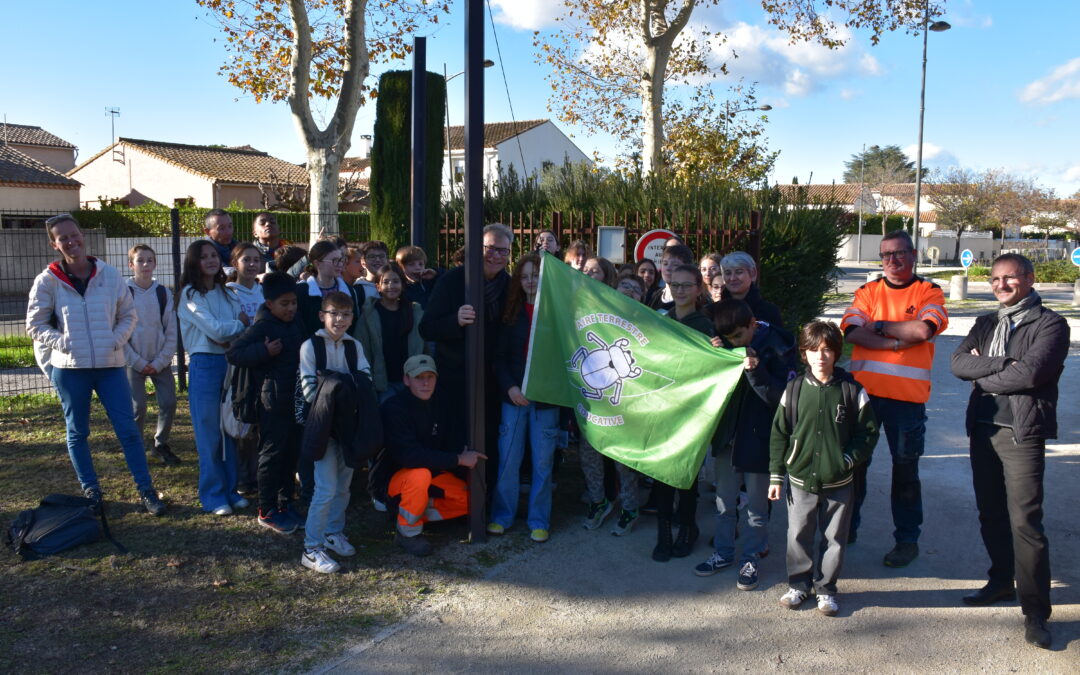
(1013,358)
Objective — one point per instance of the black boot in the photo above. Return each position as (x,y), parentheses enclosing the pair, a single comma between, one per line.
(685,540)
(662,552)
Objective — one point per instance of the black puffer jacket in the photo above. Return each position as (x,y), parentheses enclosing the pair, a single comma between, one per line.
(1028,373)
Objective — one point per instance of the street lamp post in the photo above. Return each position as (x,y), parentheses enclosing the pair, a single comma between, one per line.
(937,27)
(446,104)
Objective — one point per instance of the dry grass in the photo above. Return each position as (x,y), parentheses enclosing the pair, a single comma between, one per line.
(198,592)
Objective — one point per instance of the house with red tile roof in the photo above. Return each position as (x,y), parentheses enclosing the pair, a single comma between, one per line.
(32,180)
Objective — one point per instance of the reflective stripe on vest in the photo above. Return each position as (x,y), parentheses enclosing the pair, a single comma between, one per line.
(883,368)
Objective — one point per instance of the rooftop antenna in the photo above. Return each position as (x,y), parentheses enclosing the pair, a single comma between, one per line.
(113,113)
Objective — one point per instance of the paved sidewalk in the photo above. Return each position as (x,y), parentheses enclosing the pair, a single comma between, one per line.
(588,601)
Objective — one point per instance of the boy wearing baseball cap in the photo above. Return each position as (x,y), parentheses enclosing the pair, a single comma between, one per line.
(426,473)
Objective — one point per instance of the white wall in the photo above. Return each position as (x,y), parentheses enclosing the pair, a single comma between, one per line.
(983,248)
(55,199)
(60,159)
(139,178)
(545,143)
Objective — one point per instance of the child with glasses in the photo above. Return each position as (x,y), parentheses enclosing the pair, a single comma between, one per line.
(325,525)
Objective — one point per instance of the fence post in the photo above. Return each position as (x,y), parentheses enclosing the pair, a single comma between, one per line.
(755,237)
(181,368)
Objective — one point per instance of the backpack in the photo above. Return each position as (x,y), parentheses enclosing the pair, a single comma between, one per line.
(352,358)
(232,413)
(162,300)
(243,386)
(60,522)
(849,389)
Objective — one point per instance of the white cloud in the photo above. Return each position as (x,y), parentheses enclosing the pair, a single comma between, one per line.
(848,94)
(765,55)
(1062,83)
(1072,174)
(934,156)
(527,14)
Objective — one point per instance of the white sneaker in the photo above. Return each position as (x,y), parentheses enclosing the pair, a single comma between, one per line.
(826,604)
(792,599)
(337,543)
(316,559)
(223,511)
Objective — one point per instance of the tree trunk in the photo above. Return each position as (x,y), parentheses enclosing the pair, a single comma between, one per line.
(326,147)
(323,172)
(652,108)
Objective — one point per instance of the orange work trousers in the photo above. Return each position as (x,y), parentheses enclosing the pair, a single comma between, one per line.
(418,507)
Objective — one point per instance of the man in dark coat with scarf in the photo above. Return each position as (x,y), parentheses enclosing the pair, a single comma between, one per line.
(444,323)
(1014,359)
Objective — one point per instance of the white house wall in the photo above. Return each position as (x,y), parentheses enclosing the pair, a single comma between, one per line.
(60,159)
(140,178)
(27,198)
(544,143)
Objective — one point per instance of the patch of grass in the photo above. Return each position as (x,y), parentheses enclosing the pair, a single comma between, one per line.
(16,351)
(199,592)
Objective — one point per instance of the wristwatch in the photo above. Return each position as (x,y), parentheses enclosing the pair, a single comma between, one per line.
(879,328)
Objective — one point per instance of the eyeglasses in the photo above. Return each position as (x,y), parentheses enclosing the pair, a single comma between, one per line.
(376,256)
(895,254)
(59,218)
(681,287)
(496,250)
(338,315)
(334,261)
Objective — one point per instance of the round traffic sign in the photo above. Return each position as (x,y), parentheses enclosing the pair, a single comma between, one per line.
(1075,257)
(651,245)
(967,257)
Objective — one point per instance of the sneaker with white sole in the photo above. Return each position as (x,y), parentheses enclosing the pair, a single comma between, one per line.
(337,543)
(317,559)
(747,576)
(714,564)
(793,599)
(594,517)
(625,523)
(826,604)
(379,505)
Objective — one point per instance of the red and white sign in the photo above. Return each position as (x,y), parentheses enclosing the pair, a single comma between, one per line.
(651,245)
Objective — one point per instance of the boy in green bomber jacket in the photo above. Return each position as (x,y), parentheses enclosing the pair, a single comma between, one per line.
(822,429)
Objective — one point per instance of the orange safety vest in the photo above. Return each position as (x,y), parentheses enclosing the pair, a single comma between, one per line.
(902,375)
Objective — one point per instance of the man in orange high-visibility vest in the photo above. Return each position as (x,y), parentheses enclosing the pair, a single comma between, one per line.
(892,323)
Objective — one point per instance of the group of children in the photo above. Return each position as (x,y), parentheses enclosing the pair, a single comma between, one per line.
(808,429)
(276,343)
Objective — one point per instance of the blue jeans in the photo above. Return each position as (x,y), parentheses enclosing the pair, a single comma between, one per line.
(326,515)
(217,452)
(756,536)
(543,427)
(74,385)
(905,431)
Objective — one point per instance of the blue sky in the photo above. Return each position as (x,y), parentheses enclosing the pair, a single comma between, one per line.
(1003,86)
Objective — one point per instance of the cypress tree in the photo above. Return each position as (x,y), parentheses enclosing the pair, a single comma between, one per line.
(391,159)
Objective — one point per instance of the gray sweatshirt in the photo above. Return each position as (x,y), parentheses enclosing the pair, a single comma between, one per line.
(154,340)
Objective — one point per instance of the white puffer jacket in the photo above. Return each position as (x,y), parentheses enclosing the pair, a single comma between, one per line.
(81,331)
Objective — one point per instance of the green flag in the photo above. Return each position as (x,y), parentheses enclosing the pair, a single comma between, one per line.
(647,391)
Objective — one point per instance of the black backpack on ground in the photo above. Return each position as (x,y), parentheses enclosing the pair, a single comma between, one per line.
(60,522)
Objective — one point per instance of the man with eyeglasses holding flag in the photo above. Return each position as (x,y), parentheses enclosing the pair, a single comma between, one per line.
(444,323)
(892,323)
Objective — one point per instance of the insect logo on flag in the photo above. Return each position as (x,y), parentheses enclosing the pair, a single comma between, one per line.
(604,368)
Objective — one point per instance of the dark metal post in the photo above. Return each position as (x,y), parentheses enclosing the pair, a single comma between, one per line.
(174,222)
(419,110)
(474,257)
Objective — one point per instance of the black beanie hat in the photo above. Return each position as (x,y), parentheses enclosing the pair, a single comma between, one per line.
(277,284)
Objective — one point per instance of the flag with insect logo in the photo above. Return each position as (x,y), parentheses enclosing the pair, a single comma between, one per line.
(646,390)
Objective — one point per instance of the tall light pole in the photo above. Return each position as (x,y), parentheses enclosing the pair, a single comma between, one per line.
(937,27)
(446,103)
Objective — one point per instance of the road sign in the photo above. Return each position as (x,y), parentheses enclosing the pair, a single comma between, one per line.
(651,245)
(1076,256)
(966,258)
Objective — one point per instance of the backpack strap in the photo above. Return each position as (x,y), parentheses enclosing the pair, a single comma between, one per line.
(851,397)
(351,357)
(319,343)
(162,300)
(108,535)
(791,406)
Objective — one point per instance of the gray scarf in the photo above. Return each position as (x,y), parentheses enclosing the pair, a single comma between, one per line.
(1011,317)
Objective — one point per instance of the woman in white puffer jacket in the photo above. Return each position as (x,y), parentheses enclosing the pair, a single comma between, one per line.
(81,311)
